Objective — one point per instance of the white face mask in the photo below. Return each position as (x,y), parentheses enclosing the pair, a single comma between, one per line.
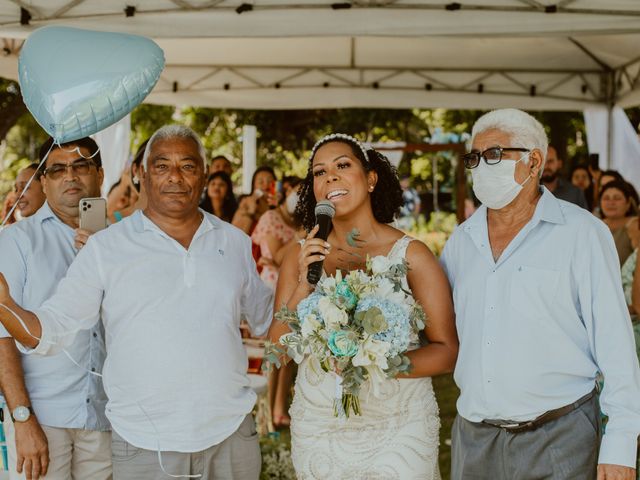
(292,201)
(495,185)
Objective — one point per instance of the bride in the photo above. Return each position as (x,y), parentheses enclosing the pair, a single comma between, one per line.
(396,436)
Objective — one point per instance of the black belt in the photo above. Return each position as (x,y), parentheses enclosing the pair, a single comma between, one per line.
(519,427)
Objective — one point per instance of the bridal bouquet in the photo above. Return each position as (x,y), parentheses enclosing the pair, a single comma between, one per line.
(358,326)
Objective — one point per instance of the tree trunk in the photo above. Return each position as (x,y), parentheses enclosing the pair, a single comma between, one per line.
(11,105)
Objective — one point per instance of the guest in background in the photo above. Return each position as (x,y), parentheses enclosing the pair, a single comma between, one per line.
(136,175)
(252,206)
(609,176)
(9,202)
(556,184)
(219,198)
(275,231)
(288,182)
(33,198)
(617,210)
(220,163)
(121,199)
(581,178)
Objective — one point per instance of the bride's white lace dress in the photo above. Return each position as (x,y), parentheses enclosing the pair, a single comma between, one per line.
(396,437)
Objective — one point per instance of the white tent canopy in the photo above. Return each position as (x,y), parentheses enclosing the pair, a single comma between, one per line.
(285,54)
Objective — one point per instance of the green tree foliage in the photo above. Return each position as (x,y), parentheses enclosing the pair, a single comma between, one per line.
(285,138)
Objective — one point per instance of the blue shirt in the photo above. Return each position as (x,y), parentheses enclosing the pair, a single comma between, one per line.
(36,253)
(536,326)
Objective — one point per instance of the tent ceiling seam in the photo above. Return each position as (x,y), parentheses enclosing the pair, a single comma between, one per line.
(387,68)
(589,86)
(323,6)
(338,77)
(290,77)
(65,8)
(475,81)
(35,11)
(400,88)
(247,77)
(203,78)
(515,82)
(559,83)
(590,54)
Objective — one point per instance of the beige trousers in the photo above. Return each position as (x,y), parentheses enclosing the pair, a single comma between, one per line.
(236,458)
(73,453)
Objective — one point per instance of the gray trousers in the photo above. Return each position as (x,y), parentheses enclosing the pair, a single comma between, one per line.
(563,449)
(236,458)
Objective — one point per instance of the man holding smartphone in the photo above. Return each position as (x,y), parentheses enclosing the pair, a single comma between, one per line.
(54,410)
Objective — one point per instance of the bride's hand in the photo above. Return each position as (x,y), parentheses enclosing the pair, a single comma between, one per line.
(313,250)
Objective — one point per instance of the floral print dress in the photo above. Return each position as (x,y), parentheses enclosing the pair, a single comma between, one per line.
(271,223)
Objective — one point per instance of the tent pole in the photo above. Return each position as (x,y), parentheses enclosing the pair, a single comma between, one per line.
(249,133)
(609,135)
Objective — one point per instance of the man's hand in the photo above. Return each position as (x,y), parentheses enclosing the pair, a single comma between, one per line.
(32,449)
(81,237)
(607,471)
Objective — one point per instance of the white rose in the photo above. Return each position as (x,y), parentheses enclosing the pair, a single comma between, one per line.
(328,285)
(371,352)
(380,265)
(290,344)
(332,315)
(384,288)
(310,324)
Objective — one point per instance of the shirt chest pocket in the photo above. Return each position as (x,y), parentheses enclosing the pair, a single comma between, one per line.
(533,290)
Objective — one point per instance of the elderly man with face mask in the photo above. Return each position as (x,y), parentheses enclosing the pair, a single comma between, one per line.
(540,312)
(171,283)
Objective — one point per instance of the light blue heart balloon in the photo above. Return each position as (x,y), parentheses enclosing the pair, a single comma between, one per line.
(78,82)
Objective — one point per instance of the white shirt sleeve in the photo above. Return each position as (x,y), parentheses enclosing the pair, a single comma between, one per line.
(257,297)
(446,262)
(13,267)
(606,317)
(75,306)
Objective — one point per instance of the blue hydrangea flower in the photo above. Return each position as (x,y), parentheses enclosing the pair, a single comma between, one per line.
(398,335)
(309,306)
(342,344)
(345,296)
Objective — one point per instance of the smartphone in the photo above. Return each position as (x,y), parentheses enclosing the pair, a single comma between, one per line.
(93,214)
(594,161)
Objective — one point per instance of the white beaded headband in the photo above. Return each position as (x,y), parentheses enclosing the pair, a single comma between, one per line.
(339,136)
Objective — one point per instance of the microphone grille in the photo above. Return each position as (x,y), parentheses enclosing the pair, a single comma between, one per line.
(325,207)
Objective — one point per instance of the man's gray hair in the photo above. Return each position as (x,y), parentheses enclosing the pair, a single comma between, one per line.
(174,131)
(524,130)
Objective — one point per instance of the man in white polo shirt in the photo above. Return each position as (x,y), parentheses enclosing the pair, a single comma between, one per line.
(171,284)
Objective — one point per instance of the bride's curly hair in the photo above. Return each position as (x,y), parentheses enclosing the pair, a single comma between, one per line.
(386,198)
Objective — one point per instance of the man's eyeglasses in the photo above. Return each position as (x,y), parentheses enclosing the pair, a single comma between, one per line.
(57,170)
(491,156)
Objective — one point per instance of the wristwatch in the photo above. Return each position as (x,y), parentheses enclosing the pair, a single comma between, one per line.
(21,414)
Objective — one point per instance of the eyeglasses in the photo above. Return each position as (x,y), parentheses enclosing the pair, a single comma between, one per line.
(79,167)
(491,156)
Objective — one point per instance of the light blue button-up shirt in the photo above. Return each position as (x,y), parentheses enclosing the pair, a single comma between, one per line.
(536,326)
(35,254)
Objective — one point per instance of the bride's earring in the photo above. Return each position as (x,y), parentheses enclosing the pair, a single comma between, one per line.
(136,181)
(371,188)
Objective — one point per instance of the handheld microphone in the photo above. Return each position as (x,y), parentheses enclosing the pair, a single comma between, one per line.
(324,213)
